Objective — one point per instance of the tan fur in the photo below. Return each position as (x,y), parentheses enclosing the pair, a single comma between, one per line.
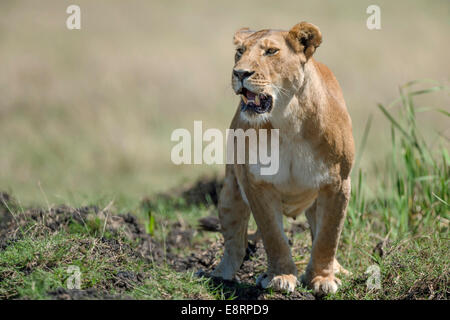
(316,157)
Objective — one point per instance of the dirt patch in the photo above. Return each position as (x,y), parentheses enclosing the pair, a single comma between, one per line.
(205,191)
(179,236)
(94,221)
(429,289)
(209,223)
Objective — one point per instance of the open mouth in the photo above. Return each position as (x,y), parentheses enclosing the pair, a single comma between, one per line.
(259,103)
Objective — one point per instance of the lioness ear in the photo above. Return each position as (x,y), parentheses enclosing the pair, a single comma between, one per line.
(241,35)
(304,37)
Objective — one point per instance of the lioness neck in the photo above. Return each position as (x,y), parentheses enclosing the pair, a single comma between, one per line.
(306,105)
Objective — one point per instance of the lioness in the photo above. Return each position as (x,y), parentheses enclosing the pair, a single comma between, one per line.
(283,87)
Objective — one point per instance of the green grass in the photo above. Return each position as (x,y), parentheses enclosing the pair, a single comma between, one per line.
(407,208)
(412,192)
(33,267)
(414,268)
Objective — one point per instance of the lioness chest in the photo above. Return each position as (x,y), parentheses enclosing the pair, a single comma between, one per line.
(299,177)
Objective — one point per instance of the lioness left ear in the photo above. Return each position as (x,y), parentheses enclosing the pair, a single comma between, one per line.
(304,38)
(240,36)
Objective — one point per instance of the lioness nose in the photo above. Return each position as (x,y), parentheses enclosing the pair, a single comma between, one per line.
(242,74)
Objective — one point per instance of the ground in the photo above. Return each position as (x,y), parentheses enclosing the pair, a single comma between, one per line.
(163,251)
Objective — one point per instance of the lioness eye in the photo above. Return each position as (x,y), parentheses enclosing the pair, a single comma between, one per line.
(271,51)
(240,51)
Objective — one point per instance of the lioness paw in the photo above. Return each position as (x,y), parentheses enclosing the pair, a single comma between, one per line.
(284,282)
(324,285)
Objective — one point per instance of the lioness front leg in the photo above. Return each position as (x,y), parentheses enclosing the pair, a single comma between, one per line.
(311,217)
(326,229)
(281,273)
(234,214)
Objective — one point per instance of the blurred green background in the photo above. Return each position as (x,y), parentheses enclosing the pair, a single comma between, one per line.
(88,113)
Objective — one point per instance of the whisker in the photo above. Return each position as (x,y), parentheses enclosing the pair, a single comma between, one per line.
(280,88)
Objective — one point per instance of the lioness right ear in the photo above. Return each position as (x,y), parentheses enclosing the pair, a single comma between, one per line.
(241,35)
(304,38)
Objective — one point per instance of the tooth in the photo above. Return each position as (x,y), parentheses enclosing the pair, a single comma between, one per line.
(257,100)
(245,99)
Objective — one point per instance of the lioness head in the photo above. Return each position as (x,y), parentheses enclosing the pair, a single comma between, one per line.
(269,67)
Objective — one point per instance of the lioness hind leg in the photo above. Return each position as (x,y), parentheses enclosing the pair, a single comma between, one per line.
(328,221)
(311,217)
(234,215)
(255,237)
